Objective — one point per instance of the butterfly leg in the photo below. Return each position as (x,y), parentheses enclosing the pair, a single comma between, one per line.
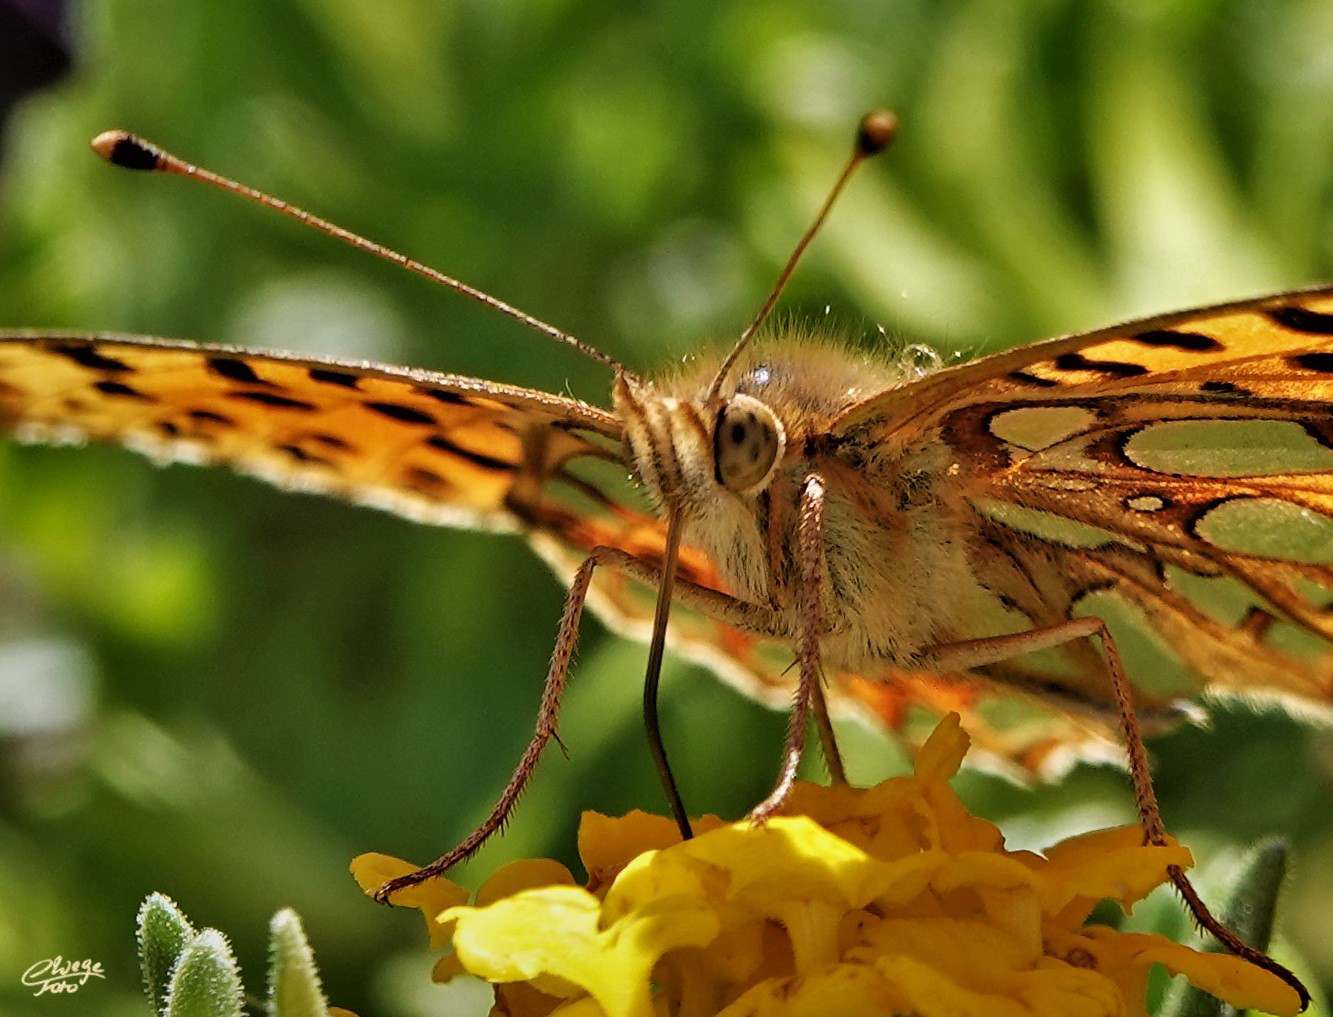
(562,657)
(827,739)
(810,544)
(759,620)
(979,652)
(749,617)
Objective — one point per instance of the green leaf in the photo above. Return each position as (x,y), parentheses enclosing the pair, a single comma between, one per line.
(206,981)
(294,989)
(162,932)
(1249,913)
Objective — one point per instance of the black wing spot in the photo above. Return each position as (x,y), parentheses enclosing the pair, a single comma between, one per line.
(1257,623)
(236,370)
(1302,319)
(330,441)
(120,390)
(486,462)
(1023,378)
(87,356)
(301,455)
(1193,342)
(209,417)
(331,377)
(426,481)
(445,396)
(1321,362)
(1223,388)
(278,402)
(402,414)
(1118,368)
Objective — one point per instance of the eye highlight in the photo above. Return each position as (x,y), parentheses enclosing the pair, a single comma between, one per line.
(748,441)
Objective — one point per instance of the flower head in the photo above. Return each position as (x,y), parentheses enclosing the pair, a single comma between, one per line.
(892,899)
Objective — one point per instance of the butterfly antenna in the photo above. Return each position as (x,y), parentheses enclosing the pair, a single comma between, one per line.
(873,135)
(124,149)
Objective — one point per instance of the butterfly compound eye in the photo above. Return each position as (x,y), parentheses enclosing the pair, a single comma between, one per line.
(748,441)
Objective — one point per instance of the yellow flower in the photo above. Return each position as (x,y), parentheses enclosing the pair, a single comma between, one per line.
(868,902)
(371,871)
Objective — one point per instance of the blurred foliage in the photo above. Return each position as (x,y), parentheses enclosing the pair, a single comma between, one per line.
(225,692)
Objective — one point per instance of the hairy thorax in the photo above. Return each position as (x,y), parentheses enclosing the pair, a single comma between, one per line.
(896,576)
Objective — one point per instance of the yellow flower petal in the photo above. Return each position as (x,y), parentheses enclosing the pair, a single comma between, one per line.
(938,992)
(846,990)
(372,871)
(521,875)
(955,829)
(942,754)
(1223,975)
(519,999)
(1105,864)
(788,869)
(607,845)
(1006,894)
(585,1007)
(556,931)
(973,952)
(783,857)
(447,968)
(896,818)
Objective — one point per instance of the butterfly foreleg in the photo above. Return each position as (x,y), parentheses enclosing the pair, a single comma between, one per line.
(743,615)
(749,617)
(828,741)
(557,676)
(809,695)
(979,652)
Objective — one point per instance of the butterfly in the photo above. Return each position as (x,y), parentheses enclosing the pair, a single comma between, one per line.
(1136,460)
(915,541)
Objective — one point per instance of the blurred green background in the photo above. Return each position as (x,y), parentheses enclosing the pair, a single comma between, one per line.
(223,692)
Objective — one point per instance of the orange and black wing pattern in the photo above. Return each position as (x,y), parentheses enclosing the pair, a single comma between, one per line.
(1173,476)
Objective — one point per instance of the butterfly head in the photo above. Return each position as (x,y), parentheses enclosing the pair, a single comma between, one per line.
(691,452)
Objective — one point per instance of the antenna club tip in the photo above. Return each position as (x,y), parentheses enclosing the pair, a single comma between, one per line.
(123,149)
(877,129)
